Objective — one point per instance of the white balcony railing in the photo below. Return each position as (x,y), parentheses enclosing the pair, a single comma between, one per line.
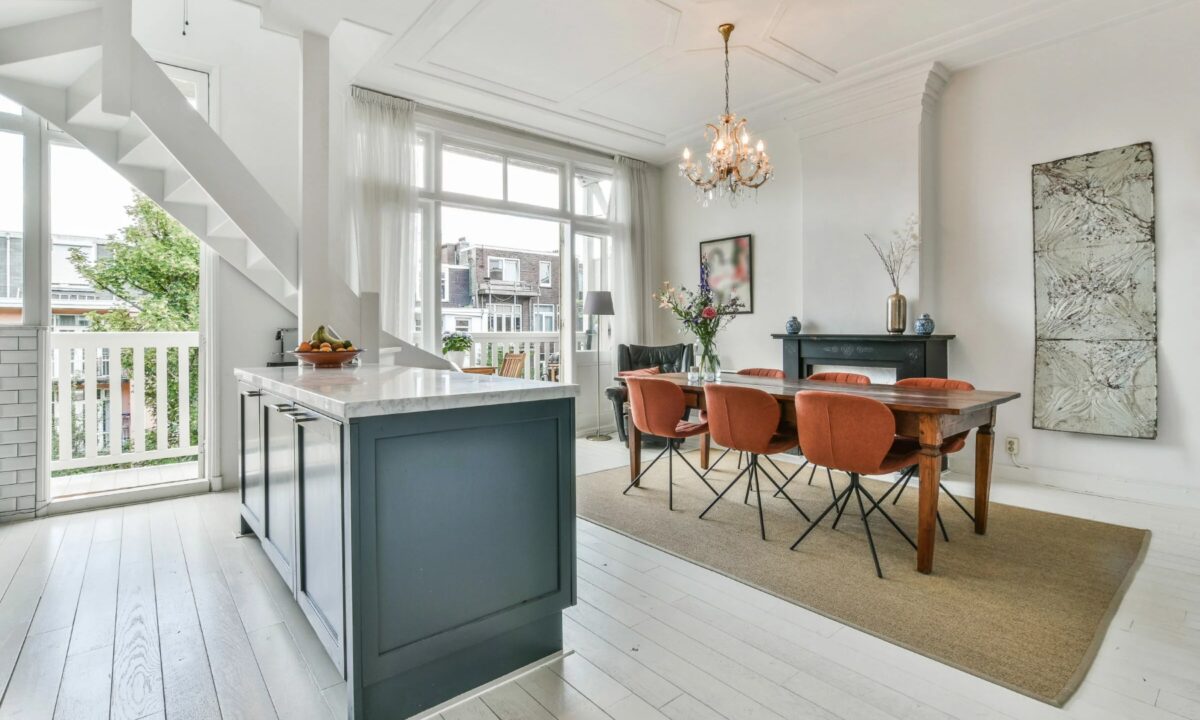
(123,398)
(543,351)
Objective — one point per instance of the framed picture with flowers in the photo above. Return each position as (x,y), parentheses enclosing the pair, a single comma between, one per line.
(730,270)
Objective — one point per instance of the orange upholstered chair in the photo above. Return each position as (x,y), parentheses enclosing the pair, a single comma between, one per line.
(747,420)
(840,377)
(950,445)
(750,372)
(846,378)
(856,435)
(655,407)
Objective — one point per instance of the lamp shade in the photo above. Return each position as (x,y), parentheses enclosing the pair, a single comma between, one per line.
(598,302)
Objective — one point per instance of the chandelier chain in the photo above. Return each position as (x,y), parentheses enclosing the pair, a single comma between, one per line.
(726,74)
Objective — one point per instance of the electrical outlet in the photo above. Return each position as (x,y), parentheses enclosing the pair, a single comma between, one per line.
(1012,445)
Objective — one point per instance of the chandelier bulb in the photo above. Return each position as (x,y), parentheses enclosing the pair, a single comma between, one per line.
(687,153)
(759,147)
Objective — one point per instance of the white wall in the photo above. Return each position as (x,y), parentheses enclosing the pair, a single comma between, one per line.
(1122,84)
(1129,83)
(246,319)
(774,219)
(859,179)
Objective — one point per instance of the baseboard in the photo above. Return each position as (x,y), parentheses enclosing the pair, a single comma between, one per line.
(131,496)
(435,712)
(1105,486)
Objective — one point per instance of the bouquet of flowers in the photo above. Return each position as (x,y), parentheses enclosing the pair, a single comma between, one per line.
(702,315)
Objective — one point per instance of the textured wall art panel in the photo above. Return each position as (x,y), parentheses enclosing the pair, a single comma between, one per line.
(1095,365)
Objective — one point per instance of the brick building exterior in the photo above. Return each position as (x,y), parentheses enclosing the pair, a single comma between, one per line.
(499,289)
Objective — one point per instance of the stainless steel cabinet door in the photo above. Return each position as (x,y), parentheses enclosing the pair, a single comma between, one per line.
(320,591)
(250,459)
(279,541)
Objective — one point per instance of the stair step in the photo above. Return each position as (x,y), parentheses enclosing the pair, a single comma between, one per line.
(178,186)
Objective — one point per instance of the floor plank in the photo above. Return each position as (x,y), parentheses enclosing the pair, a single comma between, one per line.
(240,689)
(86,687)
(292,689)
(188,690)
(34,685)
(21,597)
(137,687)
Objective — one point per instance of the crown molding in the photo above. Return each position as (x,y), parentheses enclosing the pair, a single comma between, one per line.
(914,90)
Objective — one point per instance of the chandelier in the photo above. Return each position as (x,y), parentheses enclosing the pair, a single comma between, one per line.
(734,166)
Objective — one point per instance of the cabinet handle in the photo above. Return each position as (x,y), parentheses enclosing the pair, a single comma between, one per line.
(299,417)
(253,393)
(283,406)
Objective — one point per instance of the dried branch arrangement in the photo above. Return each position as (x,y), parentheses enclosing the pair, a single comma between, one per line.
(899,254)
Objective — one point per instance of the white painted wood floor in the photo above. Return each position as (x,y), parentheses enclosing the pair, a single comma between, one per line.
(156,611)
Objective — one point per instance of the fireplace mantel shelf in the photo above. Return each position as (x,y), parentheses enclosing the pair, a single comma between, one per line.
(909,355)
(908,337)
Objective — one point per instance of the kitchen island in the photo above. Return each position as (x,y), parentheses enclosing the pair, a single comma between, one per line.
(424,520)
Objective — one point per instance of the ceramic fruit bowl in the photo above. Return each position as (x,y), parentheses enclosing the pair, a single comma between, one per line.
(332,359)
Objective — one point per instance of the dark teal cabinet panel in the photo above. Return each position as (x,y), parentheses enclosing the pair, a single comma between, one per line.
(250,460)
(279,534)
(320,586)
(463,553)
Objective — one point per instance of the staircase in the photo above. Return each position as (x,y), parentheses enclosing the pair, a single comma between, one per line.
(84,73)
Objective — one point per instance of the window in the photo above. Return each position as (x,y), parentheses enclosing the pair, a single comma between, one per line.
(472,172)
(12,224)
(12,267)
(71,322)
(420,162)
(593,271)
(543,318)
(533,183)
(445,285)
(61,268)
(545,273)
(506,269)
(193,84)
(503,317)
(592,194)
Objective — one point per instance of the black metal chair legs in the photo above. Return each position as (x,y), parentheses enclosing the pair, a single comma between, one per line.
(753,473)
(671,450)
(841,501)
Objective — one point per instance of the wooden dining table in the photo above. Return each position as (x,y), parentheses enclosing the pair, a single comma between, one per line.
(928,415)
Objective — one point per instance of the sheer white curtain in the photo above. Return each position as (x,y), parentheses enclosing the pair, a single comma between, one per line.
(633,211)
(383,207)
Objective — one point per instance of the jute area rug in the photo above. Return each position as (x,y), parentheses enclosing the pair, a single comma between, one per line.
(1025,606)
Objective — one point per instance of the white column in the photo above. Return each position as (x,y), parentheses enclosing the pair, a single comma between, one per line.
(315,278)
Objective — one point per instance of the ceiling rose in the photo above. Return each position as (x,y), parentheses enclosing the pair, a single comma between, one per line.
(735,168)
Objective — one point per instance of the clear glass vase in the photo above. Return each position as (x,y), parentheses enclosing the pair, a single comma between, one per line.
(708,360)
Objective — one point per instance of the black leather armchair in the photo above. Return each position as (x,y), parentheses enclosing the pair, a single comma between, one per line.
(667,358)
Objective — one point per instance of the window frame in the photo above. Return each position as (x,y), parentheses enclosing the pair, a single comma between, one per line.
(504,259)
(549,276)
(437,128)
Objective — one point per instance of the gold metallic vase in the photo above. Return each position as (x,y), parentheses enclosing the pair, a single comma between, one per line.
(897,313)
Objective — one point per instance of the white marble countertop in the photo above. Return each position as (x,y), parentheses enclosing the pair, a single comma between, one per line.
(370,390)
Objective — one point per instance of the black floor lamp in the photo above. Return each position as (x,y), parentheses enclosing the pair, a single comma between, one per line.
(598,303)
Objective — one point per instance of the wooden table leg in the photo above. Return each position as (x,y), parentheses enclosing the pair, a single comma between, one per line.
(984,443)
(931,471)
(705,447)
(635,451)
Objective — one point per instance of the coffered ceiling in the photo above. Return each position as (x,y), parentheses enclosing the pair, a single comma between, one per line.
(642,76)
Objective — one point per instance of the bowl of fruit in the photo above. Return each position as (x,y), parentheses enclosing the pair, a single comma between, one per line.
(326,350)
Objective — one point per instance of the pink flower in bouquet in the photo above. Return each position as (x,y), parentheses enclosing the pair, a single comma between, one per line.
(708,313)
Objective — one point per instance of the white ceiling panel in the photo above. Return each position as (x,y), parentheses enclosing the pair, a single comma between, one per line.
(641,77)
(553,49)
(689,89)
(844,33)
